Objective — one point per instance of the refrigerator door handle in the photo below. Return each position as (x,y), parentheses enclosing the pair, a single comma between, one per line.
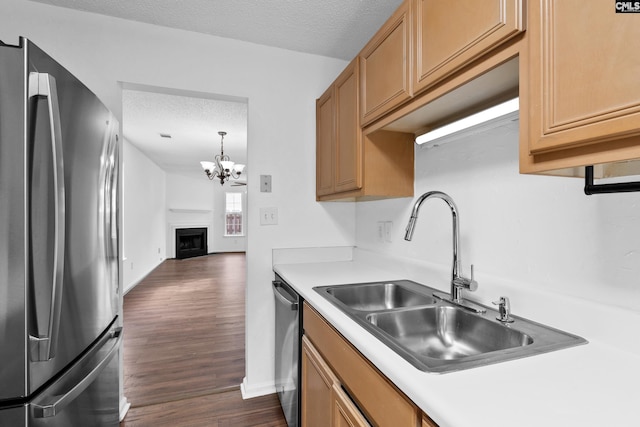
(110,203)
(58,403)
(44,85)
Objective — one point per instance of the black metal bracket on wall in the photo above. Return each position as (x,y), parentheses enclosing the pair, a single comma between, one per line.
(591,188)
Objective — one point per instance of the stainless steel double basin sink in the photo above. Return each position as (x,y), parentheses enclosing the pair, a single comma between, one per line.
(436,336)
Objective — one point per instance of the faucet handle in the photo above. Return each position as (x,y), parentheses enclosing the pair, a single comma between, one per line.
(504,310)
(461,282)
(473,285)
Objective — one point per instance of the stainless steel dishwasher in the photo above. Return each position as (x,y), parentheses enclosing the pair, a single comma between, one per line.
(287,349)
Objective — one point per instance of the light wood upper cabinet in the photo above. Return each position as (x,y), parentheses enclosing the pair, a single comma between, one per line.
(325,142)
(351,164)
(338,135)
(450,34)
(385,66)
(348,161)
(583,85)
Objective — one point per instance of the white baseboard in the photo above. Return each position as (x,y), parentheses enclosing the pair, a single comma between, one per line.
(124,407)
(256,390)
(129,288)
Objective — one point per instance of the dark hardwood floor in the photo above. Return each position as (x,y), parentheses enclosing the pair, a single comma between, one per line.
(184,347)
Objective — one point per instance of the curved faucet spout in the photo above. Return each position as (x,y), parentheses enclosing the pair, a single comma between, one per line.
(454,212)
(457,282)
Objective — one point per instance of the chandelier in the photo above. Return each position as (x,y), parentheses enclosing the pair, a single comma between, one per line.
(222,167)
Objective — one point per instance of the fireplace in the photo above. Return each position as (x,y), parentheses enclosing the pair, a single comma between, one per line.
(191,242)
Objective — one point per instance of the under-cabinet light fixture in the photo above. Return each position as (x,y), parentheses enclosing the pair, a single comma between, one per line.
(499,111)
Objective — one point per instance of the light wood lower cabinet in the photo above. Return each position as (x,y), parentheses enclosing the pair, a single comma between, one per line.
(428,422)
(317,388)
(360,394)
(345,413)
(324,402)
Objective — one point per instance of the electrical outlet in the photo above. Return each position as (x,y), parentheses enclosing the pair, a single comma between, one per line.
(387,231)
(380,232)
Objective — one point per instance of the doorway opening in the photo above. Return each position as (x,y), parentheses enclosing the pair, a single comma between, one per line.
(166,198)
(167,133)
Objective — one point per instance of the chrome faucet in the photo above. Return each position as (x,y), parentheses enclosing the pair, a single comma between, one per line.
(458,282)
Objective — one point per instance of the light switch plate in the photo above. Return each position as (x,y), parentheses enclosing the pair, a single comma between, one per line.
(268,216)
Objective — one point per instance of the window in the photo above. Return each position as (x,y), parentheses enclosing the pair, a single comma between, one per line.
(233,215)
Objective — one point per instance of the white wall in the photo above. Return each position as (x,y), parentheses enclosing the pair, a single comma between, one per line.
(144,215)
(221,242)
(281,87)
(189,204)
(534,231)
(198,202)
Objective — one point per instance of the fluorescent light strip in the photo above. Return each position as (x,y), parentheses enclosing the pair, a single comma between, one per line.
(470,121)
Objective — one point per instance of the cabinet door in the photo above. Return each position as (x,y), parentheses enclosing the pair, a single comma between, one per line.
(450,34)
(348,161)
(428,422)
(385,66)
(345,413)
(317,388)
(377,397)
(584,67)
(325,141)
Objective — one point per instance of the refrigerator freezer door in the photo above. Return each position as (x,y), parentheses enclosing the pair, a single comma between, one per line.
(85,395)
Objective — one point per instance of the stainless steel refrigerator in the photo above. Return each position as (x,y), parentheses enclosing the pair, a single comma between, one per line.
(59,329)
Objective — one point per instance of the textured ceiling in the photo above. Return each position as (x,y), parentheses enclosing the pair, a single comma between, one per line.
(333,28)
(193,124)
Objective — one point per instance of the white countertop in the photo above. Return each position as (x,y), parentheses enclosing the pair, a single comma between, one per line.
(589,385)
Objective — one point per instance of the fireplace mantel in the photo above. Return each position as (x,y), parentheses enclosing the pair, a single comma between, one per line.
(193,211)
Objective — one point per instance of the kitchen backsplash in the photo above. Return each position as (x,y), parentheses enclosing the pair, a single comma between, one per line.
(537,231)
